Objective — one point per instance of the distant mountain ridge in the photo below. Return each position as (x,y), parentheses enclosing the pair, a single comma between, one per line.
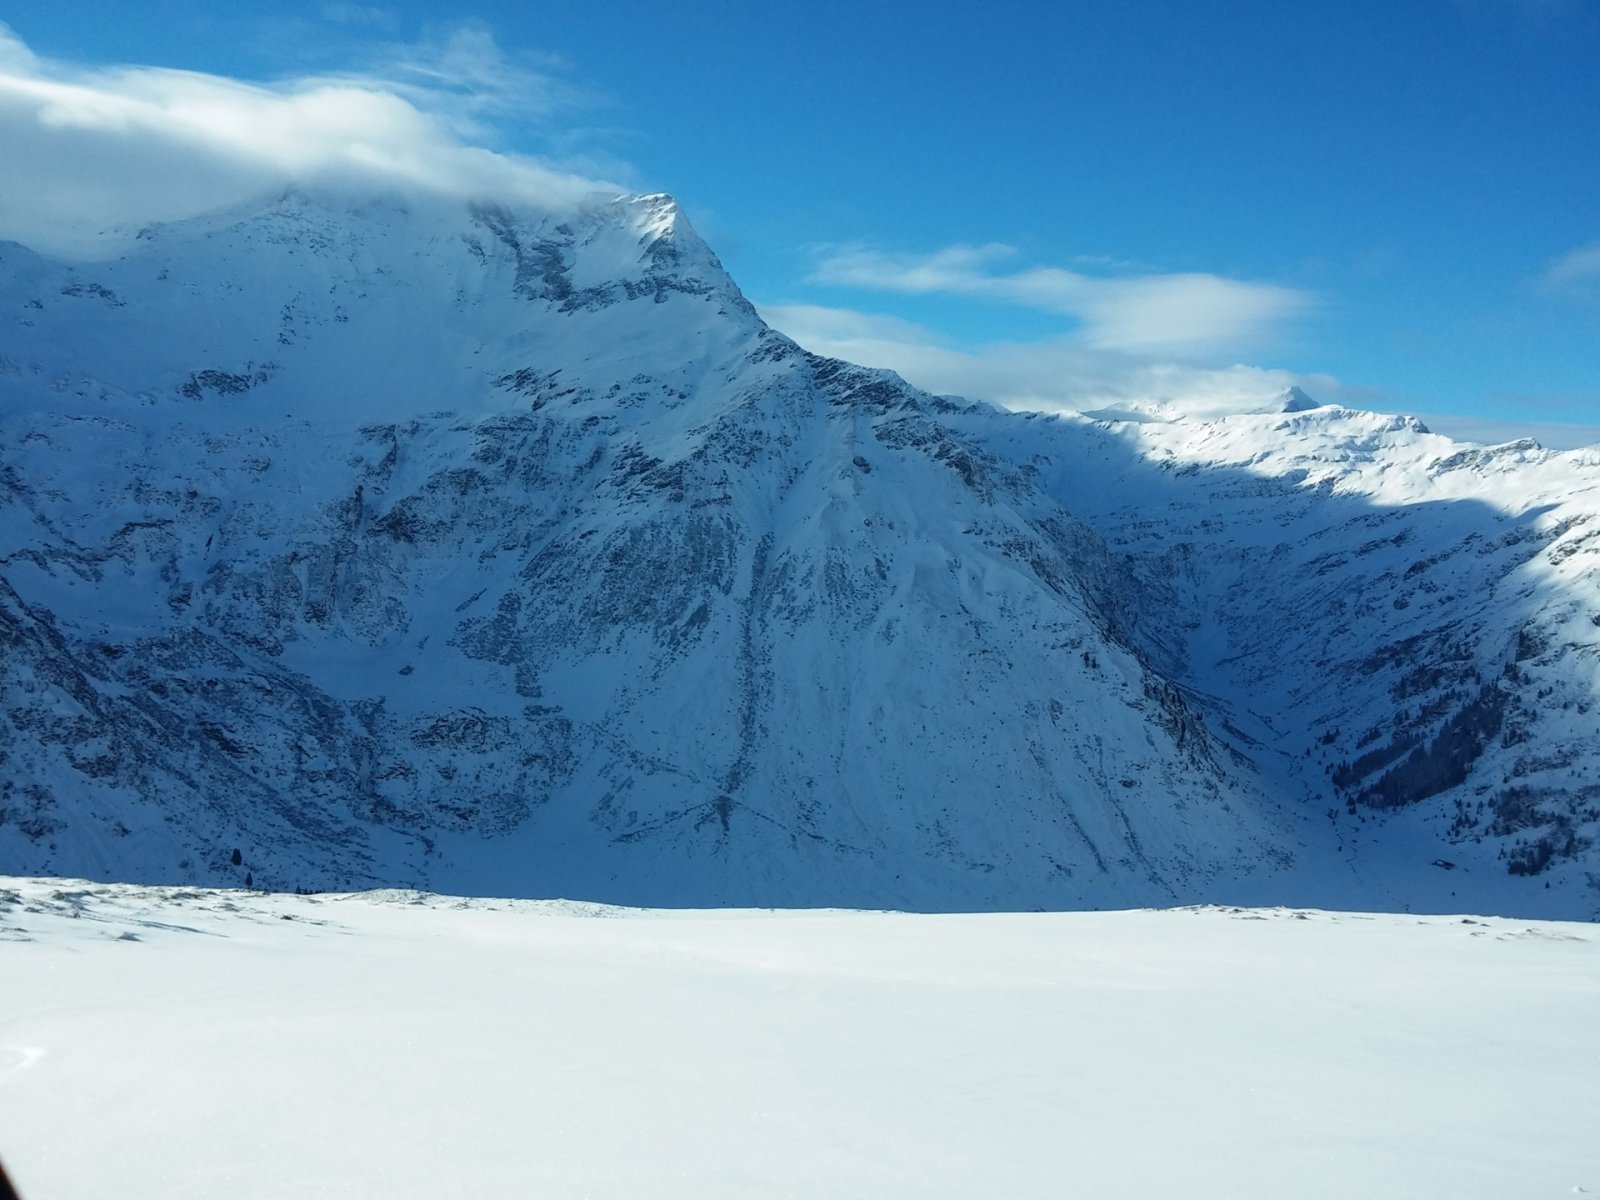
(506,552)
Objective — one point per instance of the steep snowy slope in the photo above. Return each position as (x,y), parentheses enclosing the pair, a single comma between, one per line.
(510,553)
(1400,629)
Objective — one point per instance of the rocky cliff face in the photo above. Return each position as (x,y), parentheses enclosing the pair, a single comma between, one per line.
(511,553)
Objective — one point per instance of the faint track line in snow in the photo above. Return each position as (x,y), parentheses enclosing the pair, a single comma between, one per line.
(20,1059)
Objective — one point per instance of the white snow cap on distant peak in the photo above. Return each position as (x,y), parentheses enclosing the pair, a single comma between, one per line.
(1292,399)
(661,210)
(1209,406)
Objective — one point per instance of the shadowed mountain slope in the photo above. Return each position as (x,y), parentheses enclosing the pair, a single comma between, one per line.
(510,553)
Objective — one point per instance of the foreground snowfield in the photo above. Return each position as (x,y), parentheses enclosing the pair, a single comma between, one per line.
(170,1043)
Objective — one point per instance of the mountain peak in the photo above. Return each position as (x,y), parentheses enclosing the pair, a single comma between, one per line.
(1201,407)
(1292,399)
(659,212)
(395,303)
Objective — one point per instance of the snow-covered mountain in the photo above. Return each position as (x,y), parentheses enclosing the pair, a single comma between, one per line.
(1398,626)
(511,553)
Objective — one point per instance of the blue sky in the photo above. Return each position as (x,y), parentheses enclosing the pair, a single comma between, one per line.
(1396,204)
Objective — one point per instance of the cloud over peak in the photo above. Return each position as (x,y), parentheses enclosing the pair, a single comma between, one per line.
(89,148)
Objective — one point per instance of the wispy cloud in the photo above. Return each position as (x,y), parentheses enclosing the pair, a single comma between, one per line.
(91,147)
(1050,375)
(1183,314)
(368,16)
(1577,271)
(463,74)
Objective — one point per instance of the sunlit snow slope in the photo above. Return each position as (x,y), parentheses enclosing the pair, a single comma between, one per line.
(510,553)
(174,1044)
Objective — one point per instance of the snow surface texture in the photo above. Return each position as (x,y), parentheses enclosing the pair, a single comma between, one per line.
(506,553)
(184,1043)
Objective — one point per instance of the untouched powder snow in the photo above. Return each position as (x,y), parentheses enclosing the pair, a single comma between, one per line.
(174,1043)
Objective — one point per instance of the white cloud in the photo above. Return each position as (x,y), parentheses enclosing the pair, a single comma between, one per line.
(87,148)
(1049,376)
(1575,271)
(1183,314)
(842,326)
